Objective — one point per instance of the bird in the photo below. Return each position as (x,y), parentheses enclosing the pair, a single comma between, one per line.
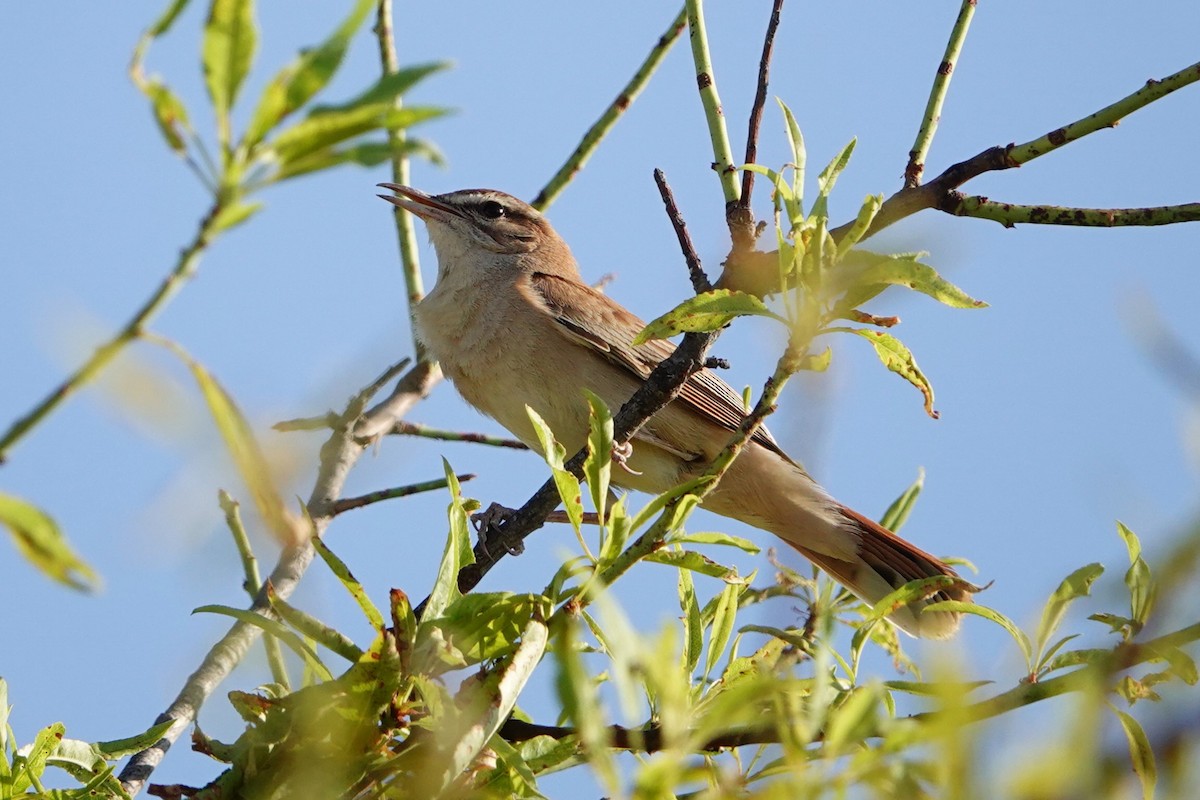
(514,325)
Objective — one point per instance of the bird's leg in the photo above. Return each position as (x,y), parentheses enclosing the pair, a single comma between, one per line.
(620,455)
(488,522)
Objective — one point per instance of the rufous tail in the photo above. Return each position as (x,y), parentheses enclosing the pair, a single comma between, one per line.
(884,563)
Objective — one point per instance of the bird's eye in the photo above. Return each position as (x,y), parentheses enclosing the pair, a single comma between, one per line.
(492,210)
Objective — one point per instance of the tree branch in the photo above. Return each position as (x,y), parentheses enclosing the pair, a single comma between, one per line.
(937,95)
(738,215)
(600,128)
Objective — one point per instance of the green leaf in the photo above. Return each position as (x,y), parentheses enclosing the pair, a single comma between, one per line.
(235,213)
(1077,584)
(704,312)
(164,22)
(897,513)
(904,269)
(483,705)
(1141,754)
(482,627)
(457,553)
(30,761)
(827,179)
(243,448)
(796,143)
(866,215)
(724,616)
(364,154)
(276,629)
(899,359)
(230,39)
(815,363)
(597,470)
(339,568)
(693,626)
(852,719)
(716,537)
(312,628)
(296,83)
(387,88)
(40,541)
(696,562)
(568,485)
(170,114)
(1142,587)
(579,700)
(995,616)
(320,131)
(119,748)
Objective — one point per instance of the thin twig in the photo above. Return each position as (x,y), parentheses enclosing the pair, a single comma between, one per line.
(713,114)
(600,128)
(416,429)
(350,503)
(756,112)
(937,95)
(406,234)
(323,422)
(253,581)
(700,282)
(1011,214)
(1107,117)
(938,192)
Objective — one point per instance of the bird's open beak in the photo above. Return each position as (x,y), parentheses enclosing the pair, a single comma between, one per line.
(416,201)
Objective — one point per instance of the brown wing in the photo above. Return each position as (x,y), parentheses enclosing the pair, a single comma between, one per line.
(595,320)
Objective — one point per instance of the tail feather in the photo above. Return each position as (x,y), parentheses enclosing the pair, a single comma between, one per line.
(885,563)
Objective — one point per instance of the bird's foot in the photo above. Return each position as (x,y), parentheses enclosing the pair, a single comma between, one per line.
(620,456)
(488,522)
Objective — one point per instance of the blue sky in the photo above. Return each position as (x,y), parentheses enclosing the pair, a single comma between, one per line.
(1054,421)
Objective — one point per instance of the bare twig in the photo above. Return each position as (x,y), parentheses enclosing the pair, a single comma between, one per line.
(350,503)
(406,233)
(700,282)
(600,128)
(746,221)
(416,429)
(253,582)
(1108,117)
(1011,214)
(706,82)
(941,191)
(323,422)
(937,95)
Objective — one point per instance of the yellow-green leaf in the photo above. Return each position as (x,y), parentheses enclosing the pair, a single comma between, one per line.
(704,312)
(899,359)
(897,513)
(273,628)
(169,113)
(234,214)
(296,83)
(457,554)
(243,448)
(1077,584)
(320,131)
(40,540)
(1140,753)
(230,39)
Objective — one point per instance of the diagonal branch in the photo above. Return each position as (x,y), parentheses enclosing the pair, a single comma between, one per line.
(601,127)
(937,95)
(741,221)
